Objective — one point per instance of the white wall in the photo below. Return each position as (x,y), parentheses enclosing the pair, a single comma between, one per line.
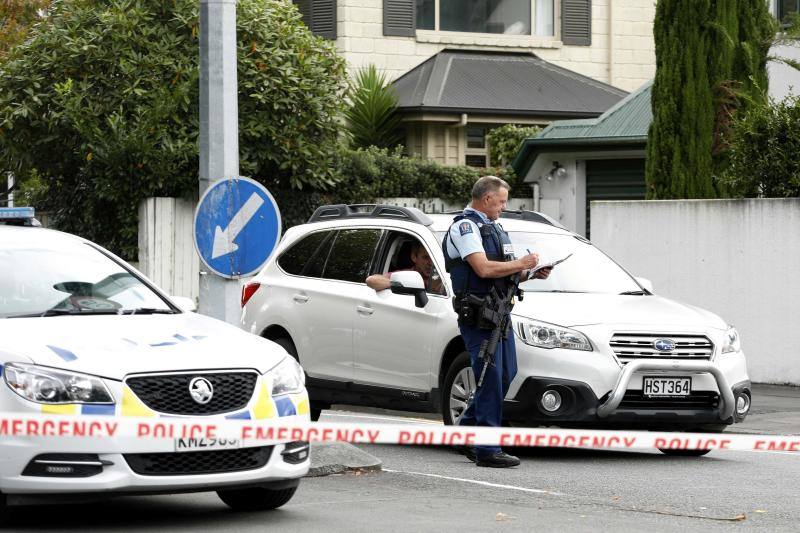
(737,258)
(621,31)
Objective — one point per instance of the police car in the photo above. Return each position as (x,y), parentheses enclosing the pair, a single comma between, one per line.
(595,346)
(86,337)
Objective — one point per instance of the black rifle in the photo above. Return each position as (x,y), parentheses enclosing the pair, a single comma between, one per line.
(503,306)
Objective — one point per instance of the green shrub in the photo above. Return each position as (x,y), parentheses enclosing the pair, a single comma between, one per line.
(372,118)
(505,141)
(763,151)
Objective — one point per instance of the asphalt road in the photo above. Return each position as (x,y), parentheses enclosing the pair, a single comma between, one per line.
(435,489)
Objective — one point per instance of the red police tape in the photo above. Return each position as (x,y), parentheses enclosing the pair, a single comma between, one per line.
(264,432)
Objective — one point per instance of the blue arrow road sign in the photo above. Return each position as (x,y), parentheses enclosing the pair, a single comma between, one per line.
(237,225)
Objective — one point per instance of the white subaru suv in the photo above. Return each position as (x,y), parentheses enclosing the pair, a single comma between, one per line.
(595,346)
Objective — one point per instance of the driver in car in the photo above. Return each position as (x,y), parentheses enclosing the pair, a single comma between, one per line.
(422,263)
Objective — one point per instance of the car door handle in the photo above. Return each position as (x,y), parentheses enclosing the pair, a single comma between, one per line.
(363,310)
(300,298)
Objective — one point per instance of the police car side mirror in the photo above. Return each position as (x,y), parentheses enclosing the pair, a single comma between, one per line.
(409,282)
(184,303)
(645,283)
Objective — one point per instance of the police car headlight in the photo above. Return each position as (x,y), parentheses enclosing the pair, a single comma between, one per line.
(731,342)
(47,385)
(544,335)
(287,377)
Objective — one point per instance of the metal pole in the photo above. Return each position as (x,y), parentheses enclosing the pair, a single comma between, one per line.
(219,133)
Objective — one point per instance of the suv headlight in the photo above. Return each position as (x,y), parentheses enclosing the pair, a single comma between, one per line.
(544,335)
(732,342)
(48,385)
(287,377)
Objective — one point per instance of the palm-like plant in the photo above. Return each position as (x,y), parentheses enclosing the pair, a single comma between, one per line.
(372,117)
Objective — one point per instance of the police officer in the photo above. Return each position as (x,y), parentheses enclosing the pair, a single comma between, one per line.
(479,255)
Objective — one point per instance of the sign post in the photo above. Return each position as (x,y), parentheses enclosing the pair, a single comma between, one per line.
(219,133)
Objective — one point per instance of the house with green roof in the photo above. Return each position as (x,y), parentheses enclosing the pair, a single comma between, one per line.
(572,162)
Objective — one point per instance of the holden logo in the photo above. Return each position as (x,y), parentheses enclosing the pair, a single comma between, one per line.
(201,390)
(664,345)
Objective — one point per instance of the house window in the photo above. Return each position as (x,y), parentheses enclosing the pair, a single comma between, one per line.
(786,8)
(508,17)
(476,137)
(478,161)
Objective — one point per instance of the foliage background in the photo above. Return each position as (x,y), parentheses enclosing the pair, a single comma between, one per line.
(99,108)
(764,151)
(711,60)
(504,142)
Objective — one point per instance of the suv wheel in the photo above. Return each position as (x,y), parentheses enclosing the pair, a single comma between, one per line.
(315,408)
(458,389)
(255,499)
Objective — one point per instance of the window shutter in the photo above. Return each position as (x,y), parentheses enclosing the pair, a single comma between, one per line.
(319,16)
(399,17)
(576,22)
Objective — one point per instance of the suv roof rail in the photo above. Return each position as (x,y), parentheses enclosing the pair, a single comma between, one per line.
(342,211)
(523,214)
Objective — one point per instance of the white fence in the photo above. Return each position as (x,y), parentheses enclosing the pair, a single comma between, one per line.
(737,258)
(166,245)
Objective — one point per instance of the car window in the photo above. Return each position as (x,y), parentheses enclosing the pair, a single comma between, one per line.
(587,269)
(70,277)
(297,259)
(351,254)
(398,256)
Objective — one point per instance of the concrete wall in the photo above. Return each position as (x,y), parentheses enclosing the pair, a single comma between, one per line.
(737,258)
(622,51)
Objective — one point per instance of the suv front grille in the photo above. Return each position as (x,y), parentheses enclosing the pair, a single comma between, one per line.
(184,463)
(635,346)
(695,400)
(169,393)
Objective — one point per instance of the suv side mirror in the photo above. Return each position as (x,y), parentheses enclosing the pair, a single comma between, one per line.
(409,282)
(646,283)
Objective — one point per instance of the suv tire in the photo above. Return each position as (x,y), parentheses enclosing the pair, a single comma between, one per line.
(683,453)
(315,408)
(457,389)
(256,499)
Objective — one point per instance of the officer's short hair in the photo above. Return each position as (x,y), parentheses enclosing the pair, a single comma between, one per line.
(488,184)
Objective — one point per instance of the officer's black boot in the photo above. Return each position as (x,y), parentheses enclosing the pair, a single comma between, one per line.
(498,460)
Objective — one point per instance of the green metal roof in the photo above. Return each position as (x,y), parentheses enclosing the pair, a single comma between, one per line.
(624,124)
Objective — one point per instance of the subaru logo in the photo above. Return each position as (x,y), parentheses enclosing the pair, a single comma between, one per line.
(201,390)
(664,345)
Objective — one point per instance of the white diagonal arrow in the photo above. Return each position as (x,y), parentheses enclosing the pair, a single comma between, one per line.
(223,239)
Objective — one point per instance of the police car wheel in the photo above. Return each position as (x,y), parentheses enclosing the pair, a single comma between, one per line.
(459,386)
(256,499)
(5,511)
(683,453)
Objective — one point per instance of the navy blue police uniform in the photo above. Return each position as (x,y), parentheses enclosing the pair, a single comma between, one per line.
(472,231)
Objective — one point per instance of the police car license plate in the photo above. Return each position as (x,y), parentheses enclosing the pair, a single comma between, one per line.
(653,386)
(202,445)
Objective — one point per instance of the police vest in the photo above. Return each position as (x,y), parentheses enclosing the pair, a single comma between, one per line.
(495,241)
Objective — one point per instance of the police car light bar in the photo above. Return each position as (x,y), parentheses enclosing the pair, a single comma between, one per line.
(16,213)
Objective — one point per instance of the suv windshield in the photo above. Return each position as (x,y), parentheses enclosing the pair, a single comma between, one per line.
(69,278)
(587,270)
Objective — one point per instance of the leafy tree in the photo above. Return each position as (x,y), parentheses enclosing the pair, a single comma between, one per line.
(101,105)
(16,18)
(710,62)
(372,118)
(504,142)
(763,152)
